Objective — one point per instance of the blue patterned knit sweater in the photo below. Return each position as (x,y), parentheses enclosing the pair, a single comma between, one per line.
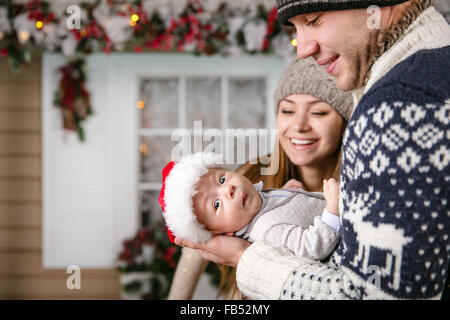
(395,177)
(395,181)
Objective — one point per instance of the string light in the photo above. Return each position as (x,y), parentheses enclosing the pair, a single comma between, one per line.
(144,150)
(39,24)
(24,35)
(294,42)
(140,104)
(135,18)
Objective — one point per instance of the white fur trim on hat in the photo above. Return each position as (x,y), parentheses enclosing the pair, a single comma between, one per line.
(180,188)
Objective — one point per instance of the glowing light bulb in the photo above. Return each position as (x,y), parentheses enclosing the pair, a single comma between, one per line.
(24,36)
(135,18)
(294,42)
(140,104)
(39,24)
(144,149)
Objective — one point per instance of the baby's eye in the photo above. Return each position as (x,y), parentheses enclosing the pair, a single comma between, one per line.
(222,180)
(216,204)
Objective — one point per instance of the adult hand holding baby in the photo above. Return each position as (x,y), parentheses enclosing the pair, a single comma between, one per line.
(223,249)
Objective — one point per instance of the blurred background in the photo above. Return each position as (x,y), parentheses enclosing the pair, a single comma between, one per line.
(91,96)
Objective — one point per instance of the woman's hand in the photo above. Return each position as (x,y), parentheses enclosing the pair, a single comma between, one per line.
(292,184)
(220,249)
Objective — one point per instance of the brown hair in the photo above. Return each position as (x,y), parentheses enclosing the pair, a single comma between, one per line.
(396,31)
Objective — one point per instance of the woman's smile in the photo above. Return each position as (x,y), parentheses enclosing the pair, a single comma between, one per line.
(303,144)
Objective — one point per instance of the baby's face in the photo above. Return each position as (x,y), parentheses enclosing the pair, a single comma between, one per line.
(226,201)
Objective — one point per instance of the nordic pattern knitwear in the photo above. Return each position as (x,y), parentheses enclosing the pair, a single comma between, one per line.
(290,8)
(304,76)
(403,140)
(394,199)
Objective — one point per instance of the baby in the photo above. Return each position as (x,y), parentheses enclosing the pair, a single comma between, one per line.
(200,198)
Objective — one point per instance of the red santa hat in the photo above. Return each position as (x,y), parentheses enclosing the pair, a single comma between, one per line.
(178,189)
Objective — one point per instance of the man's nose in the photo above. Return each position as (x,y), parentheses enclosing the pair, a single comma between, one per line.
(306,46)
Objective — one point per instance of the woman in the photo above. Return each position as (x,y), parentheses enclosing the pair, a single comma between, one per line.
(311,117)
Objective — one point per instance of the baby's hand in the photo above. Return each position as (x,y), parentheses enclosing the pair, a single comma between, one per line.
(331,194)
(292,184)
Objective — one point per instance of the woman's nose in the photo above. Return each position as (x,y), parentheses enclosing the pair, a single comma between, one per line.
(301,123)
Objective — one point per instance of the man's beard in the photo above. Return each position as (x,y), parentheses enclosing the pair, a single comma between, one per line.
(377,42)
(360,61)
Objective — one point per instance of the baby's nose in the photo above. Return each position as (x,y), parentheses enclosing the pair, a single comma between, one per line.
(229,190)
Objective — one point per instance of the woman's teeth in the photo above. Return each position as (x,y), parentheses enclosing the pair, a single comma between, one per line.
(302,142)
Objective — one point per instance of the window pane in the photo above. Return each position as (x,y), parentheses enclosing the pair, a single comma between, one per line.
(150,209)
(155,154)
(160,97)
(203,102)
(247,103)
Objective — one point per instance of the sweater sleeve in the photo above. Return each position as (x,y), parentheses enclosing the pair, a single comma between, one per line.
(316,241)
(268,272)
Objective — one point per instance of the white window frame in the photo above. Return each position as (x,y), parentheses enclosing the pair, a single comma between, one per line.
(118,120)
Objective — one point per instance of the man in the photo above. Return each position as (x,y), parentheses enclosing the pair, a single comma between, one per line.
(395,58)
(394,178)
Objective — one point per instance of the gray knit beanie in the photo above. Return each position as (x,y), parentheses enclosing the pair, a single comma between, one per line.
(291,8)
(304,76)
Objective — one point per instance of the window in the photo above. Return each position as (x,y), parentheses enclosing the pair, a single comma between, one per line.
(98,192)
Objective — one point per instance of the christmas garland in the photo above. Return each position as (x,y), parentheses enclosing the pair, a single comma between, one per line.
(72,96)
(193,26)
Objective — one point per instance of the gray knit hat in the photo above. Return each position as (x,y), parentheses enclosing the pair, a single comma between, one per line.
(304,76)
(291,8)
